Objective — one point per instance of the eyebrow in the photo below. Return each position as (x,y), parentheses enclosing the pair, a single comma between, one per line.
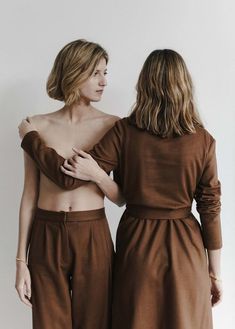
(101,70)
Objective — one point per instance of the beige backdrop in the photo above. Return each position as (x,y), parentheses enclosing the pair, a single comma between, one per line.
(32,32)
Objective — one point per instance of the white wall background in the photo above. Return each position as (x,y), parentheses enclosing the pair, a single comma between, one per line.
(32,33)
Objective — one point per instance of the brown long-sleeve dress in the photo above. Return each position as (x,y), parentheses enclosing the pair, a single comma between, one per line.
(161,276)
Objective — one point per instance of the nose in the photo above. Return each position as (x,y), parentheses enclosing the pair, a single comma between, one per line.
(103,81)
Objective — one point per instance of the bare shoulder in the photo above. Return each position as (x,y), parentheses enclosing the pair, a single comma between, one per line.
(109,120)
(105,120)
(42,121)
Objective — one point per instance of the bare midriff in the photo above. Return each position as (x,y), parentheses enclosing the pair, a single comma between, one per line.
(52,197)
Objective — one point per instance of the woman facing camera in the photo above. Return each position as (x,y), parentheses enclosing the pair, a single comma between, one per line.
(167,265)
(69,269)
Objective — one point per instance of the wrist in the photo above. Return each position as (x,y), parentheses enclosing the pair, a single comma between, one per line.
(21,261)
(215,277)
(214,272)
(99,176)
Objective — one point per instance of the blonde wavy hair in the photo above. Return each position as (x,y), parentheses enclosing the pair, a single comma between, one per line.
(164,104)
(73,65)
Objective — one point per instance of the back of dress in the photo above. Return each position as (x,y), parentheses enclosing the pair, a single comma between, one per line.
(170,170)
(165,174)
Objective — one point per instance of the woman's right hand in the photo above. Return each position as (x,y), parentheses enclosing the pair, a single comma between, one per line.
(23,283)
(25,127)
(83,166)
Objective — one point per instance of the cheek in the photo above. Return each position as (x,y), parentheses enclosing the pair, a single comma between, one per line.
(87,89)
(84,92)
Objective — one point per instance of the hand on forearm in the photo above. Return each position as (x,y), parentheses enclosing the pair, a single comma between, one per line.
(83,166)
(25,127)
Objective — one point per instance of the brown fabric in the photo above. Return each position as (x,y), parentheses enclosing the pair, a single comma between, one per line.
(164,174)
(161,278)
(161,275)
(43,156)
(70,262)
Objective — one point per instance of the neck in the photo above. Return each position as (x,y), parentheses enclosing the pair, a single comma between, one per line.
(77,112)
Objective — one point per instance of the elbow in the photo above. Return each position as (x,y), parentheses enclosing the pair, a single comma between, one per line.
(121,203)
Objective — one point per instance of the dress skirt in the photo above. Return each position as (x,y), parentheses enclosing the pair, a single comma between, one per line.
(161,278)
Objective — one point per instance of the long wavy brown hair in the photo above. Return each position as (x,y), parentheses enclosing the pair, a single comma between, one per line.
(164,104)
(73,65)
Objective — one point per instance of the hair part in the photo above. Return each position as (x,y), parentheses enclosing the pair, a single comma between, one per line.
(73,65)
(164,104)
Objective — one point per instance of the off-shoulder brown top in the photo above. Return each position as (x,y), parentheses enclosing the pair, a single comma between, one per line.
(160,173)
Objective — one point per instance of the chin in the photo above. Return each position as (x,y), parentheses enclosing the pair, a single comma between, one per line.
(96,99)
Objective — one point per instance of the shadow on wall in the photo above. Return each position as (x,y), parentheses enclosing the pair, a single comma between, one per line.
(17,100)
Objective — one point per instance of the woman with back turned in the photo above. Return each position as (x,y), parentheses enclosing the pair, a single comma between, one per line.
(164,158)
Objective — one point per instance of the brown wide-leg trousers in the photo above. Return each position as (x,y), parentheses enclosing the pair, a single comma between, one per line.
(70,262)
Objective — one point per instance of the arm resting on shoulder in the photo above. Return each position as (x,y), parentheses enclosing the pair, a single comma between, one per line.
(106,153)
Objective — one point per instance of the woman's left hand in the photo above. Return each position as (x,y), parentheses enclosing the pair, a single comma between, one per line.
(25,127)
(82,166)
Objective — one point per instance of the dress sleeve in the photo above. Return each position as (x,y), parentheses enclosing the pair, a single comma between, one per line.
(48,161)
(106,153)
(207,198)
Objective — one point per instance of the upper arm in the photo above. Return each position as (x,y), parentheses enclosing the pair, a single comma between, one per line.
(209,178)
(108,150)
(208,201)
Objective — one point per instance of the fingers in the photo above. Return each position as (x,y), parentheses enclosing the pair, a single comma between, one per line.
(215,300)
(28,287)
(67,172)
(20,125)
(82,153)
(216,296)
(68,166)
(25,122)
(75,150)
(23,298)
(73,160)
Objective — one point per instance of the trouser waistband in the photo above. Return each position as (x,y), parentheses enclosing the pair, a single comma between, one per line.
(71,216)
(156,213)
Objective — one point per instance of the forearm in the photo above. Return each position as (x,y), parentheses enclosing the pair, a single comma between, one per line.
(110,189)
(26,215)
(48,161)
(214,258)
